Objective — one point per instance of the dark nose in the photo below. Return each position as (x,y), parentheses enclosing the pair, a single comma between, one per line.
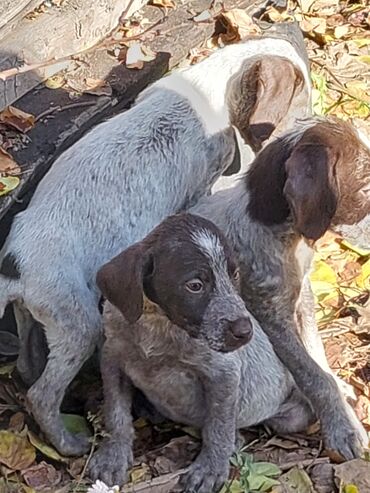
(238,333)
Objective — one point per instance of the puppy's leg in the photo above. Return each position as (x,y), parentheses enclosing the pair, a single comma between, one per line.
(310,336)
(114,456)
(210,470)
(33,351)
(295,414)
(72,333)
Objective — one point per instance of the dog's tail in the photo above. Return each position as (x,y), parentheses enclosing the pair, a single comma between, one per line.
(10,290)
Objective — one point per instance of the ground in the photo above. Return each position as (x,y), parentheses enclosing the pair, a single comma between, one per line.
(337,39)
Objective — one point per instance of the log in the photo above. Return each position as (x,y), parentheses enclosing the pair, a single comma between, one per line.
(59,32)
(11,12)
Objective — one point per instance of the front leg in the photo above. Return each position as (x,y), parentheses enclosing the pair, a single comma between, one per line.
(308,331)
(114,456)
(210,470)
(341,429)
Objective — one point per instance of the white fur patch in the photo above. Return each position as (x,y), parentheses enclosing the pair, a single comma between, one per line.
(210,245)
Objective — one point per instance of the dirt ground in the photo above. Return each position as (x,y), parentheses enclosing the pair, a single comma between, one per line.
(337,38)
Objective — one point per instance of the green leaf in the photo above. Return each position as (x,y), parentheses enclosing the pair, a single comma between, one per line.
(265,469)
(8,183)
(261,483)
(76,424)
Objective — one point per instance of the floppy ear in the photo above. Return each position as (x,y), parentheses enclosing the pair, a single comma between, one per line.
(261,96)
(121,281)
(311,188)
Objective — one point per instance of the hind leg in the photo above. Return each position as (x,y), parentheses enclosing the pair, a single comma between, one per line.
(33,350)
(295,415)
(72,332)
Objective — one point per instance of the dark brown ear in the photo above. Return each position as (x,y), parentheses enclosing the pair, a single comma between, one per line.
(121,281)
(260,97)
(311,189)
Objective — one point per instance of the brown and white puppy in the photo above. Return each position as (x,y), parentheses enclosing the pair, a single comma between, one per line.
(173,312)
(315,177)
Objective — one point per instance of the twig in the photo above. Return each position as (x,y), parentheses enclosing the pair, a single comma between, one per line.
(82,475)
(49,111)
(303,463)
(310,466)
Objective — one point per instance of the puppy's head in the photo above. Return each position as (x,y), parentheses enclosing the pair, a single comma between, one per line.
(265,97)
(186,267)
(319,174)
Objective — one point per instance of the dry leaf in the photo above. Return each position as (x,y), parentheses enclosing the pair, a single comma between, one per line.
(47,450)
(17,118)
(41,476)
(355,472)
(16,452)
(137,54)
(204,16)
(97,87)
(306,5)
(341,31)
(7,164)
(238,25)
(166,4)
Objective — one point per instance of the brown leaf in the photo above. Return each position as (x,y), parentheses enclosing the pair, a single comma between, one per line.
(16,422)
(7,164)
(362,409)
(166,4)
(41,476)
(17,118)
(16,452)
(97,87)
(356,472)
(238,24)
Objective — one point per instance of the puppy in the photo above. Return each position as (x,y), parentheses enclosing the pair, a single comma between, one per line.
(115,185)
(176,328)
(315,177)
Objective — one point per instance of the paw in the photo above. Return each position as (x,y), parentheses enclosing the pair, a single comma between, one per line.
(72,445)
(110,463)
(205,476)
(344,433)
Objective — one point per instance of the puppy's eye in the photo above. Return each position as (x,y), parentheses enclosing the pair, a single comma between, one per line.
(194,286)
(236,275)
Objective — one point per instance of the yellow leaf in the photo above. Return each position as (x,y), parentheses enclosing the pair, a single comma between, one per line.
(323,273)
(139,474)
(364,58)
(8,183)
(360,251)
(350,488)
(55,82)
(16,452)
(44,448)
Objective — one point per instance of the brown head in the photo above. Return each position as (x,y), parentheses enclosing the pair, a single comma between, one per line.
(318,176)
(265,96)
(186,267)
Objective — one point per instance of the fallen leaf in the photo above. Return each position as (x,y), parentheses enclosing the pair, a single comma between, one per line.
(76,424)
(8,183)
(204,16)
(355,472)
(17,118)
(296,480)
(306,5)
(55,82)
(44,448)
(166,4)
(140,473)
(136,55)
(16,452)
(341,31)
(7,369)
(97,87)
(7,164)
(16,422)
(41,476)
(238,24)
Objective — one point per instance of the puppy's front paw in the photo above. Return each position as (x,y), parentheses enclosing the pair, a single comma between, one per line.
(344,433)
(110,463)
(205,476)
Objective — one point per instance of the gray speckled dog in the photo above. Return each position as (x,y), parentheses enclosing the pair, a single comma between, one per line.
(118,182)
(189,348)
(315,177)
